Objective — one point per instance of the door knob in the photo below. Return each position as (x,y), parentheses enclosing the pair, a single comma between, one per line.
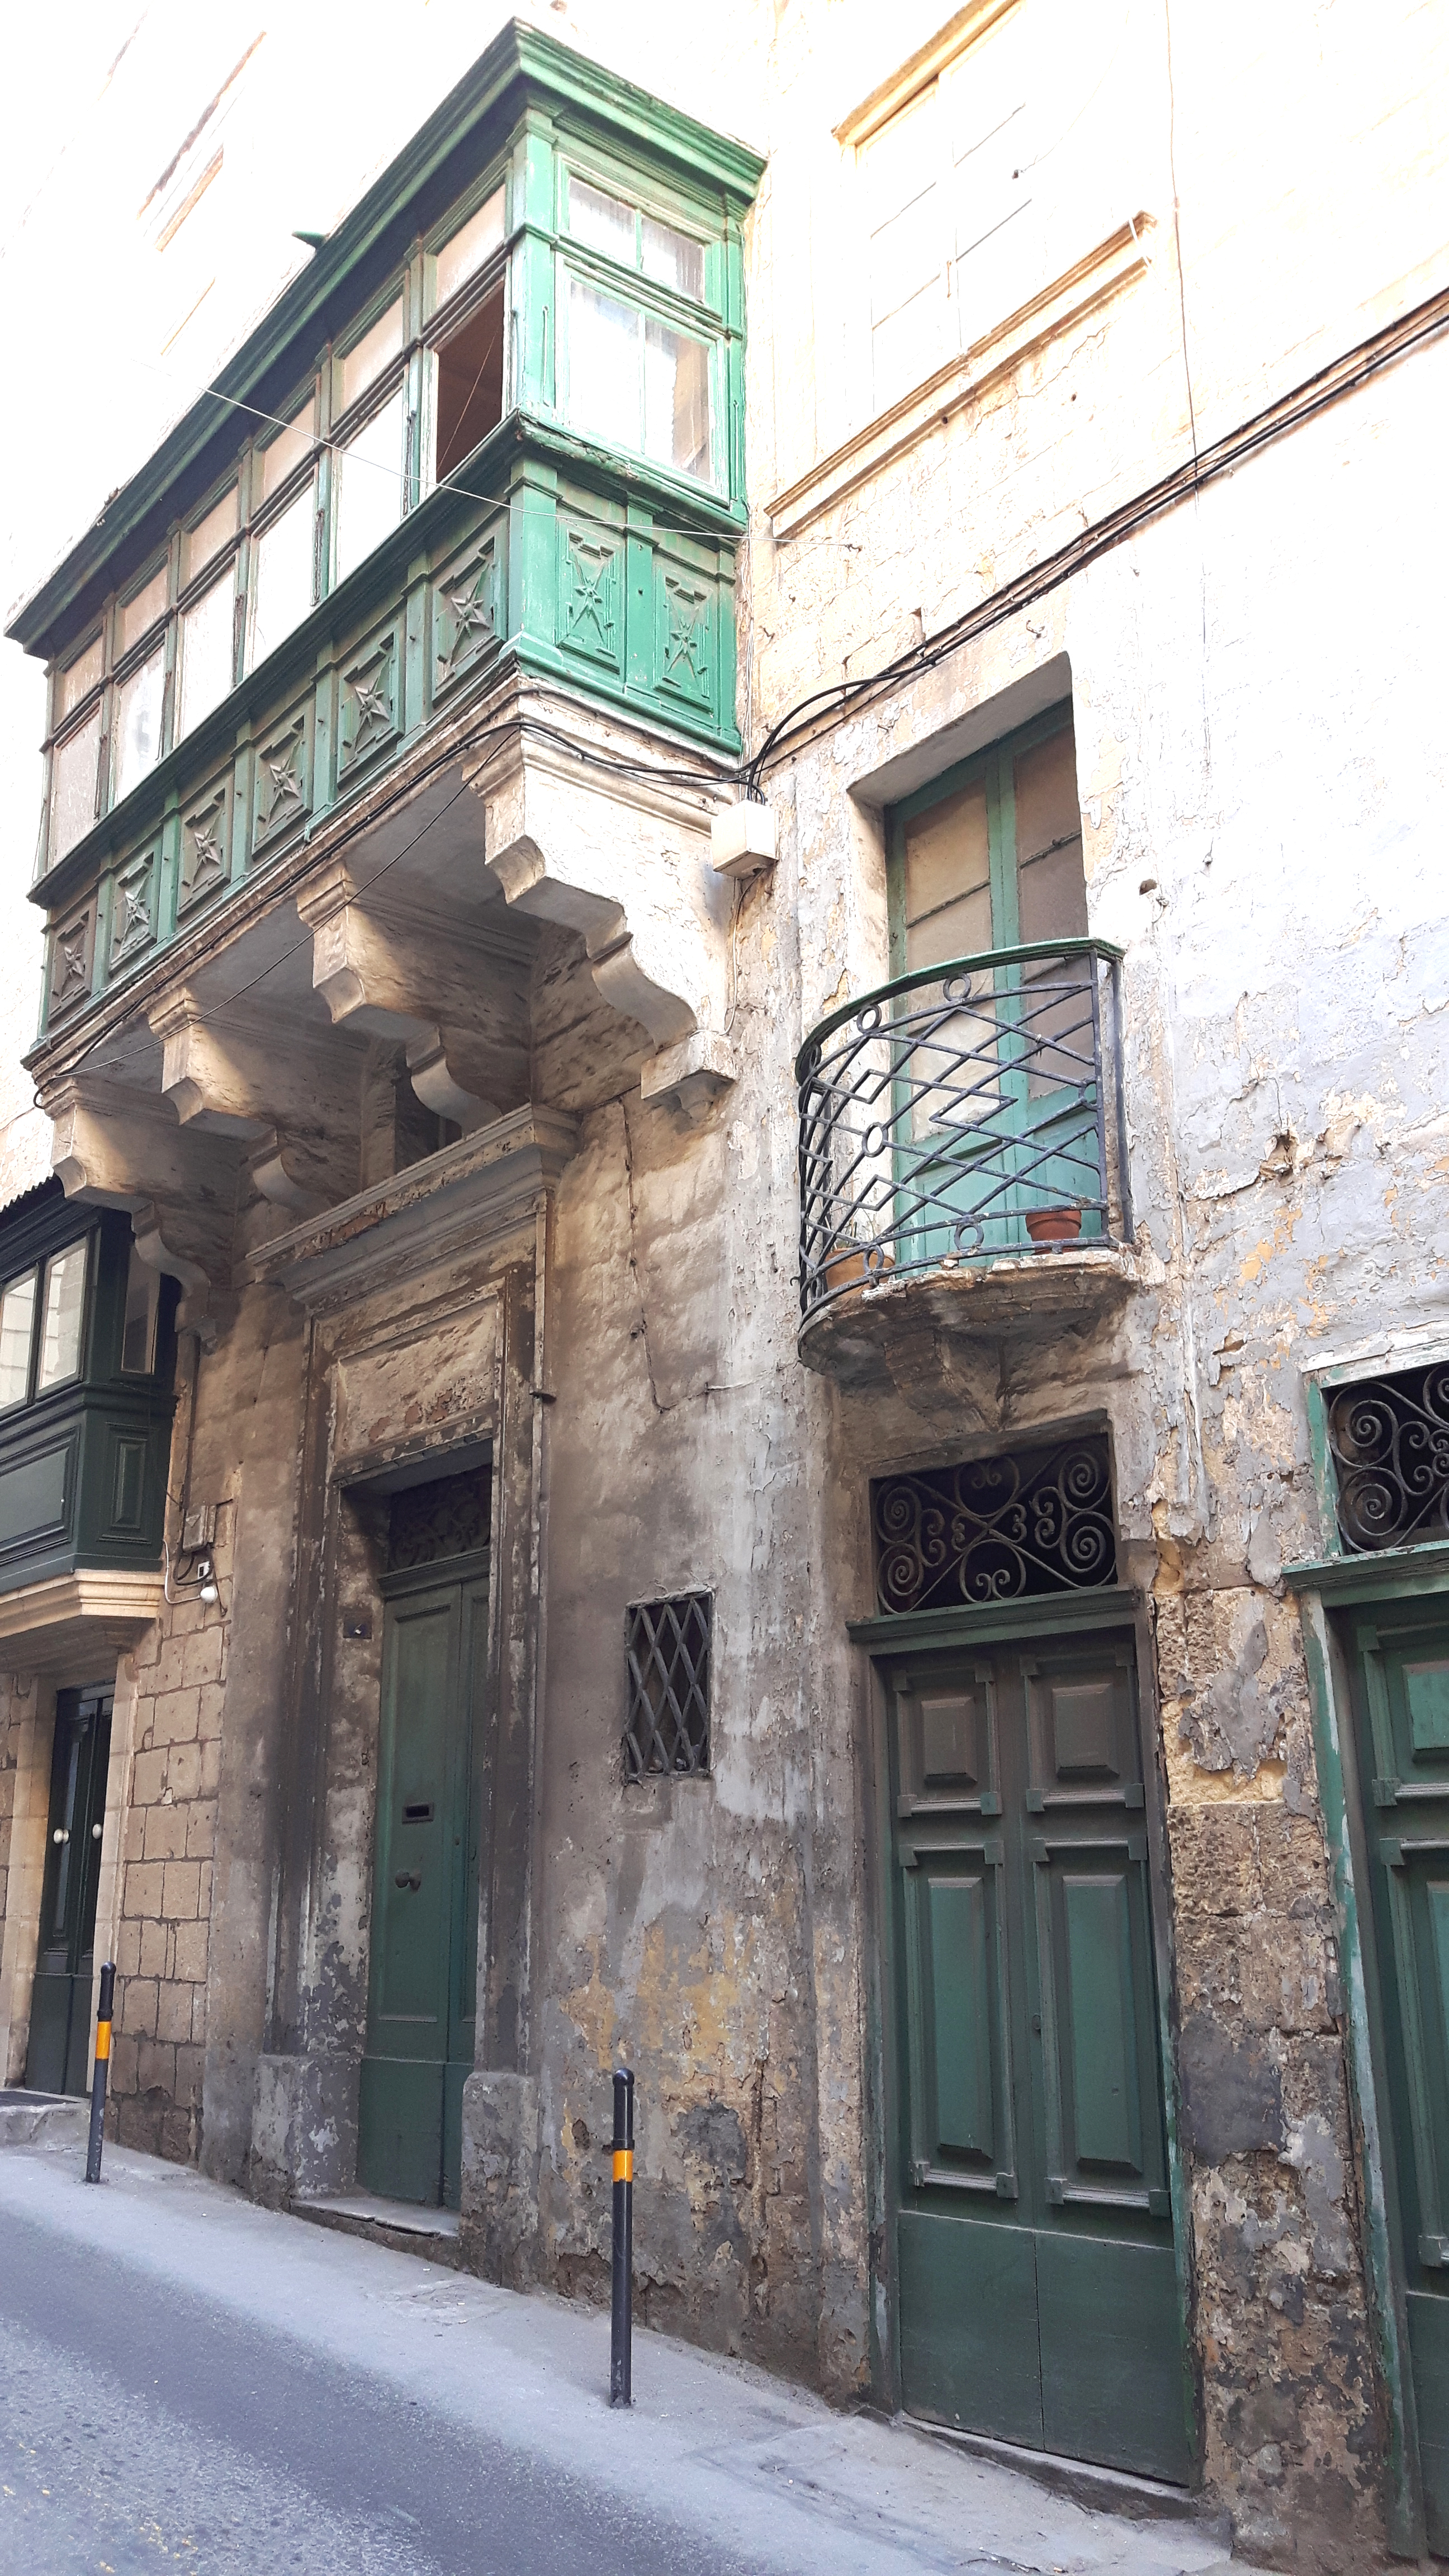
(60,1835)
(408,1878)
(96,1832)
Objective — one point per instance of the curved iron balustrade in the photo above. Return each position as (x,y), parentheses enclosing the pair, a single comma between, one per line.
(969,1112)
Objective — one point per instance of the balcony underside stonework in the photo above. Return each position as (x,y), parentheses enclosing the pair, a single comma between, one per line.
(871,1338)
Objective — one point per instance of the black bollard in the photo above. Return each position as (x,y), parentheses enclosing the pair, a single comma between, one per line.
(101,2070)
(621,2342)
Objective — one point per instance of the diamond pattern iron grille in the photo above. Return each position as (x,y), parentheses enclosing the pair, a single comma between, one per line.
(1389,1441)
(668,1646)
(994,1529)
(449,1517)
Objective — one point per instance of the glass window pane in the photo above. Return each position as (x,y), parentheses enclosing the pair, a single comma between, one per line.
(466,250)
(79,678)
(281,584)
(676,400)
(672,258)
(205,540)
(1052,888)
(62,1315)
(286,452)
(138,1336)
(605,223)
(141,612)
(375,350)
(73,793)
(17,1314)
(603,366)
(369,486)
(206,653)
(138,722)
(469,390)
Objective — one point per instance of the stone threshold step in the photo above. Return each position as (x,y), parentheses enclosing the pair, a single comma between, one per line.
(1136,2499)
(399,2224)
(29,2119)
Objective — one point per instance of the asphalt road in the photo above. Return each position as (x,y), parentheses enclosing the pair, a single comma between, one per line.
(190,2382)
(137,2430)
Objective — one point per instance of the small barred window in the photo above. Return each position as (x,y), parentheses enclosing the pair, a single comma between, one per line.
(668,1647)
(1389,1441)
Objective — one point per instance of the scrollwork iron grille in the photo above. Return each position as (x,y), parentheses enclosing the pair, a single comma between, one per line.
(961,1114)
(668,1646)
(1389,1441)
(996,1529)
(429,1523)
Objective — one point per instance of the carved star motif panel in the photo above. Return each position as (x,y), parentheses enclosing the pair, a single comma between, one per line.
(284,778)
(591,603)
(370,700)
(205,847)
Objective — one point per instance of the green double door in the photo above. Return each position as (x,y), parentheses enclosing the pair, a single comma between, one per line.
(1037,2283)
(424,1946)
(58,2052)
(1401,1663)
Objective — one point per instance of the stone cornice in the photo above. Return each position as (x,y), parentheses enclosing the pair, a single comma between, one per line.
(76,1623)
(1101,273)
(464,1199)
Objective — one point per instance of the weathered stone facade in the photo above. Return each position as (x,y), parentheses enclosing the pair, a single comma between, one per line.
(605,1304)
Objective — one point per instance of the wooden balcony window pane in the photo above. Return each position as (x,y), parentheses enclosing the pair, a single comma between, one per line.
(282,577)
(143,610)
(470,384)
(207,644)
(1052,888)
(138,1336)
(676,401)
(17,1319)
(369,486)
(672,258)
(604,223)
(466,250)
(79,678)
(948,880)
(603,367)
(73,795)
(373,353)
(138,722)
(203,543)
(62,1315)
(286,452)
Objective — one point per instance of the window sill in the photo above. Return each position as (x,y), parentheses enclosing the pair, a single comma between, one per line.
(1115,262)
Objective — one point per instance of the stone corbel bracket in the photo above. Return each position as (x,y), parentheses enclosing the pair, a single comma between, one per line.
(120,1148)
(224,1082)
(462,1020)
(627,866)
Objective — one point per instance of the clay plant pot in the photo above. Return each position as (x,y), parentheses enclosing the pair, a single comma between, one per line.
(1054,1224)
(854,1270)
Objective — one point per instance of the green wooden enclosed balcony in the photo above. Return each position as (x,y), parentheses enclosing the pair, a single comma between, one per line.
(495,427)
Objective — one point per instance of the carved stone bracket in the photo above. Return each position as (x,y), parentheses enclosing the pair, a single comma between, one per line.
(228,1081)
(626,866)
(122,1148)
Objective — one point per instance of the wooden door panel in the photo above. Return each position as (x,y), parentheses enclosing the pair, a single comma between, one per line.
(960,2084)
(1112,2385)
(969,2351)
(1429,2356)
(410,1925)
(1100,2062)
(58,2049)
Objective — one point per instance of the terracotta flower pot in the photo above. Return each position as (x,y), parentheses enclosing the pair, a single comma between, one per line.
(854,1269)
(1054,1224)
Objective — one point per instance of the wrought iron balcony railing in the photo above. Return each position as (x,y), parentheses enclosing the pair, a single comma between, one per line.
(966,1113)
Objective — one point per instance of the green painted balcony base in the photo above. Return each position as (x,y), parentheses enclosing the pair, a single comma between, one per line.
(541,558)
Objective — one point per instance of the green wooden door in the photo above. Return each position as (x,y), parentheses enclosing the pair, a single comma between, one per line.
(423,1960)
(1038,2290)
(58,2052)
(1402,1662)
(990,857)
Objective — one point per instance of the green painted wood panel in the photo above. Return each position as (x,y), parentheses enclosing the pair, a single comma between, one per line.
(423,1954)
(1401,1727)
(1032,2169)
(58,2049)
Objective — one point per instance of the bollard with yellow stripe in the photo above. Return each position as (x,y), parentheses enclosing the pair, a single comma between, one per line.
(621,2338)
(101,2069)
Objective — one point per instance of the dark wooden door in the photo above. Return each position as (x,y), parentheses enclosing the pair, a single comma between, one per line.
(1038,2286)
(1402,1688)
(424,1944)
(58,2055)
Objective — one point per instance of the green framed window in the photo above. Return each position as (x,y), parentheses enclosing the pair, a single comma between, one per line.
(42,1325)
(990,854)
(643,348)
